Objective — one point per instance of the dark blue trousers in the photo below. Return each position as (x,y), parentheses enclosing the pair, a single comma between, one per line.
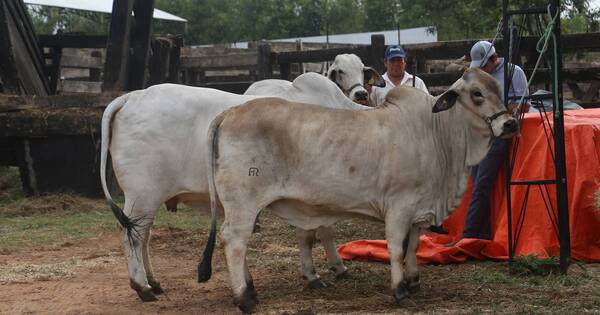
(477,223)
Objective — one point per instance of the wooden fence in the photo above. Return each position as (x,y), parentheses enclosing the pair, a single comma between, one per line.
(231,70)
(237,68)
(76,63)
(234,69)
(54,140)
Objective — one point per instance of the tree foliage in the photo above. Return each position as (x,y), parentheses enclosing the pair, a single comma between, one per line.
(226,21)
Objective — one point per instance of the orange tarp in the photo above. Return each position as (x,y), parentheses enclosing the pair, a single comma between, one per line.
(538,236)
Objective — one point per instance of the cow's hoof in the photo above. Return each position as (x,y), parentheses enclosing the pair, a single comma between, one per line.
(413,285)
(341,273)
(252,292)
(317,284)
(156,288)
(401,292)
(146,295)
(247,302)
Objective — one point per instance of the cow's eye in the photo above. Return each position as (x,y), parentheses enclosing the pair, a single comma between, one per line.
(340,72)
(478,94)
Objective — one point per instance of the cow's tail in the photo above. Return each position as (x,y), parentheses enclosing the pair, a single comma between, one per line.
(107,118)
(205,266)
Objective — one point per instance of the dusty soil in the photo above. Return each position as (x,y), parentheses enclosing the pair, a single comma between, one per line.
(90,277)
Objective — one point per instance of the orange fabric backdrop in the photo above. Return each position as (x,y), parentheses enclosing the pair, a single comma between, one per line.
(533,161)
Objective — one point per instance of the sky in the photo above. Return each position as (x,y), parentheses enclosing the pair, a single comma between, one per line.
(595,4)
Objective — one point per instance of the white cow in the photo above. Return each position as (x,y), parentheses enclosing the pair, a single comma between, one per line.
(402,163)
(347,71)
(158,154)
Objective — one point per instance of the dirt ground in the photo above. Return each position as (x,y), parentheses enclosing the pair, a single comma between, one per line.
(89,276)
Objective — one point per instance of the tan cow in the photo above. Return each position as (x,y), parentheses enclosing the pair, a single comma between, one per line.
(402,163)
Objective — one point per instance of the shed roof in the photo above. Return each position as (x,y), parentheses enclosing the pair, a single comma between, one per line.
(104,6)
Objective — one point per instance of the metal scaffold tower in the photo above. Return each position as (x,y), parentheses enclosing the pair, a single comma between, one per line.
(550,37)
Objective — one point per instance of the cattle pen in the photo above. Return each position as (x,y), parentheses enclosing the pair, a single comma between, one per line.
(60,247)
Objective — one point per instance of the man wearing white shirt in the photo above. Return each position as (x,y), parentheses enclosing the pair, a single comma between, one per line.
(394,60)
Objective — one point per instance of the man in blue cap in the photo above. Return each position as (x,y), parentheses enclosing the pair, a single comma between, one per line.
(394,60)
(477,223)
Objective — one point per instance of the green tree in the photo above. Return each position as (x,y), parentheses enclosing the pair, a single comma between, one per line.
(345,16)
(51,20)
(225,21)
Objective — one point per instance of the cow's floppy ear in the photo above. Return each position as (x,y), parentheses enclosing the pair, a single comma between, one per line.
(332,75)
(372,77)
(445,101)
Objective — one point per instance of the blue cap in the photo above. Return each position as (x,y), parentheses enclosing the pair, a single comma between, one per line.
(394,51)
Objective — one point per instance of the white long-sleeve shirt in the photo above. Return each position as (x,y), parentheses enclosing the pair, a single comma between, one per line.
(378,94)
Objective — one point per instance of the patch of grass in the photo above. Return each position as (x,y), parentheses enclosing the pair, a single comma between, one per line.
(532,265)
(184,219)
(55,204)
(487,277)
(56,219)
(546,273)
(596,300)
(10,184)
(19,232)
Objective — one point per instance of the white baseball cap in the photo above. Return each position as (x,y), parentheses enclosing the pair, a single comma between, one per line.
(480,53)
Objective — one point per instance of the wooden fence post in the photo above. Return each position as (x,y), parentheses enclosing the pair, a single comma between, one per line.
(191,77)
(158,63)
(140,43)
(377,52)
(299,48)
(8,68)
(22,64)
(56,53)
(175,60)
(265,70)
(94,72)
(117,47)
(285,69)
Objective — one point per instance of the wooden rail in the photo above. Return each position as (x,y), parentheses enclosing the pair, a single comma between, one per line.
(455,49)
(54,140)
(237,70)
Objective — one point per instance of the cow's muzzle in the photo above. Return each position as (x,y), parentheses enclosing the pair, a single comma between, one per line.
(509,128)
(361,95)
(349,90)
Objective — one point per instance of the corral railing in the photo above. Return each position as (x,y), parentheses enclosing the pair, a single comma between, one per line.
(235,69)
(230,69)
(80,71)
(371,55)
(75,63)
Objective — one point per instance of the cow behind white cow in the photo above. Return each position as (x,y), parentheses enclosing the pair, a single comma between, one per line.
(402,163)
(158,149)
(347,71)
